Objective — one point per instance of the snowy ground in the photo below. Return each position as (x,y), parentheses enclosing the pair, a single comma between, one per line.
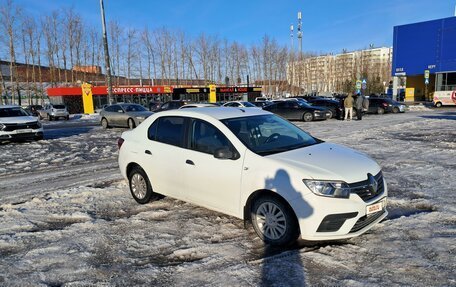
(67,218)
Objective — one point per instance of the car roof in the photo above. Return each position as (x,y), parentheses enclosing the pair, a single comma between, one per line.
(219,113)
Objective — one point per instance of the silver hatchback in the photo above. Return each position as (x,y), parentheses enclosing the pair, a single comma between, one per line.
(123,115)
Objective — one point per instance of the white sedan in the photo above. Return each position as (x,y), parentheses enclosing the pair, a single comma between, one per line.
(258,167)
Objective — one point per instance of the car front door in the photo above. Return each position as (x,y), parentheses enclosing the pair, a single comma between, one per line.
(212,182)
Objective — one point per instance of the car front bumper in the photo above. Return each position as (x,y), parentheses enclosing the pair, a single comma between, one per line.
(325,218)
(21,135)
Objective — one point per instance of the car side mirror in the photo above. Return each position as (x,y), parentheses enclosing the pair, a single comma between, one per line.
(226,153)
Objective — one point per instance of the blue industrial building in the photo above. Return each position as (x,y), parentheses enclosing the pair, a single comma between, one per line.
(424,57)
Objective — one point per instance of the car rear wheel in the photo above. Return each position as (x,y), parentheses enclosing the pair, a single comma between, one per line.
(330,116)
(131,124)
(307,117)
(438,104)
(395,110)
(140,187)
(104,123)
(274,221)
(380,111)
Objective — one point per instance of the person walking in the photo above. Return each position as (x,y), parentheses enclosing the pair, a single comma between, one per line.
(359,106)
(348,105)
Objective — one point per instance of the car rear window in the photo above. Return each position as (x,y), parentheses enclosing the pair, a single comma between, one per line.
(60,107)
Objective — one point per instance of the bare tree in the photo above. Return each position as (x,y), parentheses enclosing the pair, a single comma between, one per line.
(9,19)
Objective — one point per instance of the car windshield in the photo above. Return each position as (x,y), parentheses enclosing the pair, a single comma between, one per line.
(60,107)
(269,134)
(12,112)
(135,108)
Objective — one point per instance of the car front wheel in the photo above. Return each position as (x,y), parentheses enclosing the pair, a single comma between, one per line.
(380,111)
(140,187)
(274,221)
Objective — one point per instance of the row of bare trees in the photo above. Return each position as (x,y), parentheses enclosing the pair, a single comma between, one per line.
(62,40)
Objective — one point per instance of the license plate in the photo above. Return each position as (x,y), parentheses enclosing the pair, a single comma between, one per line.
(24,131)
(376,207)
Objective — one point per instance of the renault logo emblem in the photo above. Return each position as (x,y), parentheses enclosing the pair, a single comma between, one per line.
(373,184)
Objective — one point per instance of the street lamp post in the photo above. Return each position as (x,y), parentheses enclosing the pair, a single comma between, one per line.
(106,52)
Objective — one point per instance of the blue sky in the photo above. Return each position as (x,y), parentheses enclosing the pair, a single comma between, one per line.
(328,25)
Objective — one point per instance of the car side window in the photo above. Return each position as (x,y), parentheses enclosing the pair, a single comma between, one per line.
(111,109)
(206,138)
(169,130)
(281,105)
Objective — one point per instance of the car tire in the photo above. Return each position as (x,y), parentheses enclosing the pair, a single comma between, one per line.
(131,124)
(380,111)
(330,115)
(140,187)
(307,117)
(274,221)
(395,110)
(438,105)
(49,117)
(104,123)
(67,117)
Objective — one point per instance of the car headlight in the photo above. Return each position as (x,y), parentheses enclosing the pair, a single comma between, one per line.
(2,126)
(39,124)
(141,118)
(336,189)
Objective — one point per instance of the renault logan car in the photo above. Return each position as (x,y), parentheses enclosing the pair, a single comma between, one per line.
(256,166)
(17,124)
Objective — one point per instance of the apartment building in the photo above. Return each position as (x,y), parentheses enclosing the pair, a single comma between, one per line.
(339,73)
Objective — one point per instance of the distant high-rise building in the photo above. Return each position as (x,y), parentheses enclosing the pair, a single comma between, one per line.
(332,73)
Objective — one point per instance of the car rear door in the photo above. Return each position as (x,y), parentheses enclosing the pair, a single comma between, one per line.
(164,156)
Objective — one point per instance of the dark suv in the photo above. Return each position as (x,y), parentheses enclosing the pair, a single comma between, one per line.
(385,105)
(172,105)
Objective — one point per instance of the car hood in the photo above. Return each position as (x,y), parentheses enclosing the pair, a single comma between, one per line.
(328,161)
(140,114)
(18,120)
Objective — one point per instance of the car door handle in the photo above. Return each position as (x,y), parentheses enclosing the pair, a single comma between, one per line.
(189,162)
(147,152)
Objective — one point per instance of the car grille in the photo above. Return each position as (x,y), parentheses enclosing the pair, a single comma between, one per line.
(366,220)
(13,127)
(363,189)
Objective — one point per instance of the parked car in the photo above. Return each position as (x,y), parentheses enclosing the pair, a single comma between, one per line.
(261,104)
(239,104)
(17,124)
(123,115)
(256,166)
(172,105)
(337,111)
(385,105)
(34,110)
(54,112)
(297,110)
(198,105)
(154,106)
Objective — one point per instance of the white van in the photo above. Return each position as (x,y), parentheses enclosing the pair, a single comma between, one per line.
(444,98)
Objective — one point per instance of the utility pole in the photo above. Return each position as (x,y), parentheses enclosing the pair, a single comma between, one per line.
(300,34)
(106,52)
